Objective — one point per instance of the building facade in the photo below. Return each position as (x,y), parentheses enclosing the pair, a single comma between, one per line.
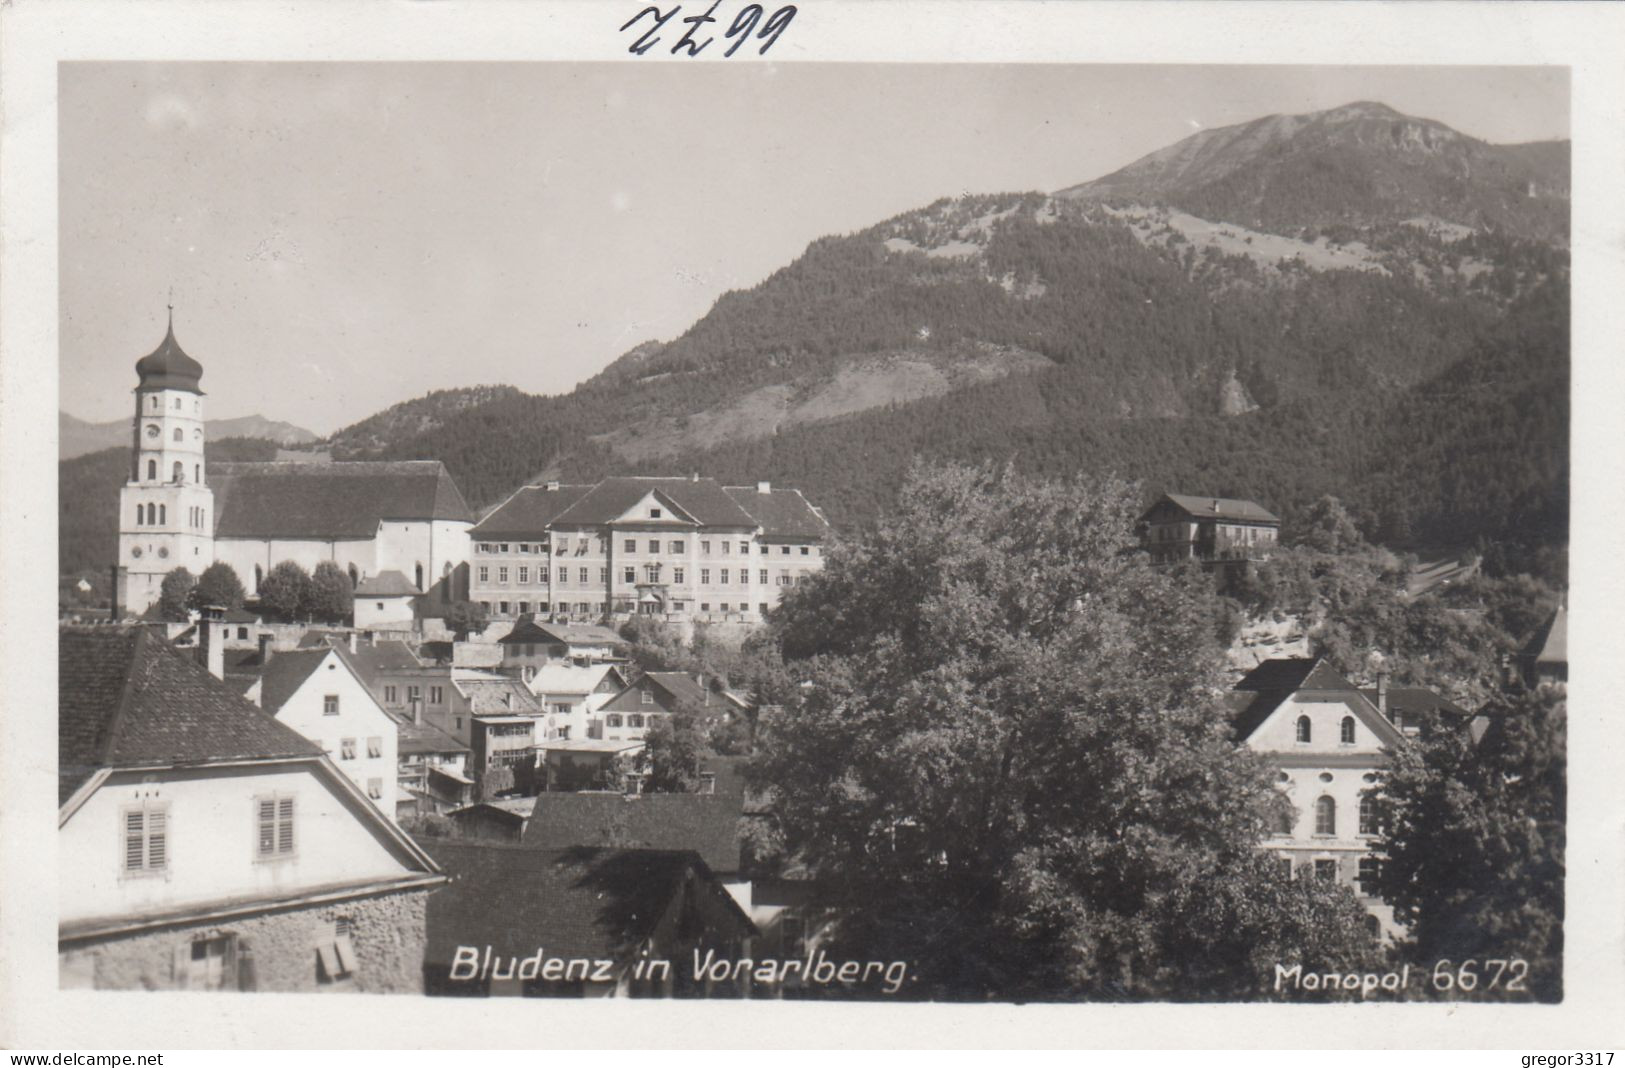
(1208,529)
(670,548)
(205,846)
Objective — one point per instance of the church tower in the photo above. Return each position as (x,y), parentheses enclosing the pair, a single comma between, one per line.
(166,510)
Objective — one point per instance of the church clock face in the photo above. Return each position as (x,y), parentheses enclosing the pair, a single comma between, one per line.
(136,552)
(152,431)
(163,553)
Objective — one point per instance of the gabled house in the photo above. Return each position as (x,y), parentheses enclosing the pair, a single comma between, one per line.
(318,694)
(385,600)
(590,922)
(1210,529)
(206,846)
(574,694)
(629,714)
(533,645)
(1328,741)
(432,776)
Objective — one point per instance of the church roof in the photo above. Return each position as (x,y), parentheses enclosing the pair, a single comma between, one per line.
(330,500)
(168,366)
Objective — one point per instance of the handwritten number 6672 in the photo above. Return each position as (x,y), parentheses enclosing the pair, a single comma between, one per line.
(739,31)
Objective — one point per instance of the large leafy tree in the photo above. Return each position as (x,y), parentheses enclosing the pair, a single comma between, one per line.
(286,591)
(1475,841)
(172,595)
(331,596)
(1008,761)
(218,585)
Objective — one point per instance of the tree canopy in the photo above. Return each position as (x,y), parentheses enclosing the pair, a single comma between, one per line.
(1008,760)
(331,595)
(285,591)
(173,595)
(218,585)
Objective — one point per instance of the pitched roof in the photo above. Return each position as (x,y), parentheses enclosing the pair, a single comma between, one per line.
(1415,700)
(1222,508)
(423,737)
(781,513)
(386,584)
(1263,689)
(708,824)
(496,696)
(701,498)
(282,677)
(126,698)
(528,513)
(573,903)
(329,500)
(530,631)
(371,659)
(680,685)
(563,677)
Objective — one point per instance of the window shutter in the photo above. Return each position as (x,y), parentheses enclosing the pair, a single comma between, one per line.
(285,828)
(267,827)
(157,839)
(134,840)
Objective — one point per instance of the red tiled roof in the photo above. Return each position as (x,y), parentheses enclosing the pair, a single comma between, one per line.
(708,824)
(126,698)
(781,513)
(703,499)
(330,500)
(528,513)
(571,903)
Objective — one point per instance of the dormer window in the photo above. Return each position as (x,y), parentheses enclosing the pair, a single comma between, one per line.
(1305,732)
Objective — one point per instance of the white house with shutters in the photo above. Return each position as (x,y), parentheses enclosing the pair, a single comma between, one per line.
(318,694)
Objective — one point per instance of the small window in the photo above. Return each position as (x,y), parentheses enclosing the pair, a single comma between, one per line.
(654,545)
(646,697)
(1286,867)
(805,551)
(414,694)
(502,574)
(330,704)
(630,575)
(705,606)
(784,550)
(1325,816)
(582,575)
(375,789)
(677,547)
(1346,731)
(347,749)
(631,545)
(677,574)
(146,838)
(524,574)
(612,720)
(485,574)
(708,782)
(1326,870)
(564,575)
(1305,732)
(654,513)
(1287,821)
(178,435)
(705,576)
(634,720)
(152,470)
(391,695)
(744,548)
(375,747)
(274,819)
(705,548)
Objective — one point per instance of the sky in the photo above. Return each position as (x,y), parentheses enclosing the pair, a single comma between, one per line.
(339,237)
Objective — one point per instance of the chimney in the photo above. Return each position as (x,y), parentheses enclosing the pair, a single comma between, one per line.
(507,699)
(352,641)
(695,477)
(764,487)
(1216,508)
(417,712)
(265,649)
(211,639)
(1382,692)
(552,486)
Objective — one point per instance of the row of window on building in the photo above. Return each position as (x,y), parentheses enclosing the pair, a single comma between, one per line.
(1369,872)
(1306,730)
(414,694)
(1370,825)
(629,576)
(656,546)
(146,833)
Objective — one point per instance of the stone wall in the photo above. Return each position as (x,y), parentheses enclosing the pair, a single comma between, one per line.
(387,936)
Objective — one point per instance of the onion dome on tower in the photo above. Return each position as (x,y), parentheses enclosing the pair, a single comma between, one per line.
(168,366)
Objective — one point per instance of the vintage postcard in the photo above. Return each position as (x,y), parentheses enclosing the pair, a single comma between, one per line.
(1067,524)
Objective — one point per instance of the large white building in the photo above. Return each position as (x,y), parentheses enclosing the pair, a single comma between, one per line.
(176,510)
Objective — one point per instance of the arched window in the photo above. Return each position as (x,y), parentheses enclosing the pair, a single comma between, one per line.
(445,582)
(355,577)
(1304,732)
(1325,815)
(180,471)
(1347,735)
(1370,820)
(179,435)
(154,404)
(163,514)
(259,577)
(140,515)
(177,404)
(1287,821)
(1373,927)
(420,577)
(152,470)
(197,473)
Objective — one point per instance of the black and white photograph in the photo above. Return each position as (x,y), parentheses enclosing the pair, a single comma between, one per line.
(704,522)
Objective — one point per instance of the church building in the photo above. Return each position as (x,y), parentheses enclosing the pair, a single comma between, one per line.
(367,517)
